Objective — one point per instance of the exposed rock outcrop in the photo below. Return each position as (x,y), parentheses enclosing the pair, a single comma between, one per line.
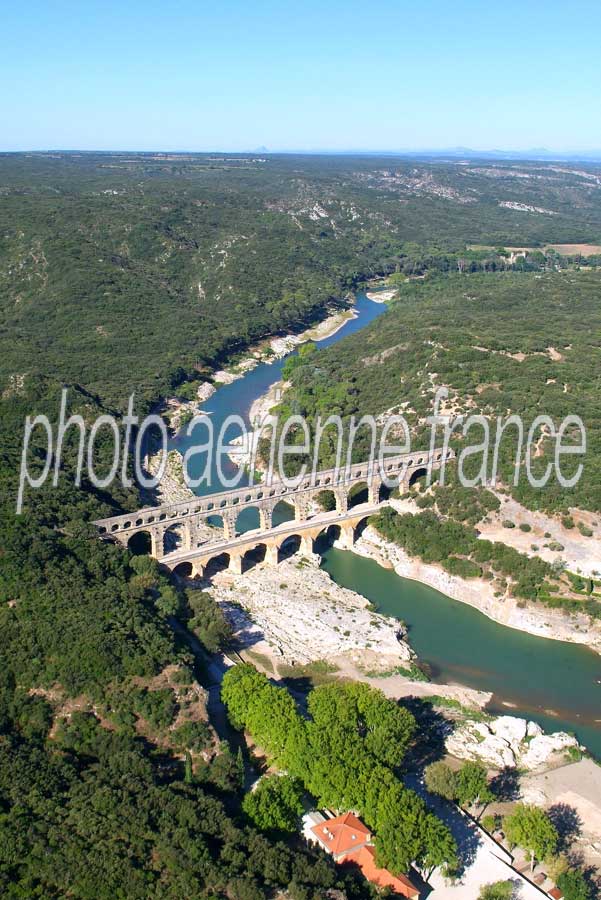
(531,618)
(508,741)
(298,614)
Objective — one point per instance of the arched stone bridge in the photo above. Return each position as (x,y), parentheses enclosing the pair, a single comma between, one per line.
(272,546)
(191,516)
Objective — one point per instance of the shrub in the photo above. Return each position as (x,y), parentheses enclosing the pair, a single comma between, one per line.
(192,736)
(465,568)
(490,823)
(440,779)
(326,500)
(500,890)
(157,707)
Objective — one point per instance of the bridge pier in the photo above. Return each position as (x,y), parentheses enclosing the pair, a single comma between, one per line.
(373,491)
(272,555)
(229,524)
(341,495)
(191,530)
(235,565)
(301,509)
(306,545)
(156,542)
(198,568)
(347,537)
(265,517)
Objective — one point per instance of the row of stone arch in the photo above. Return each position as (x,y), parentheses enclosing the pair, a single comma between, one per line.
(257,553)
(342,499)
(249,518)
(173,538)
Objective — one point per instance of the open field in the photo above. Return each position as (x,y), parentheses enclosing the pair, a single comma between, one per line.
(575,249)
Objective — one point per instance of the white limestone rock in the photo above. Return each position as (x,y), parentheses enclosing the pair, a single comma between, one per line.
(543,747)
(476,740)
(508,741)
(534,729)
(511,729)
(298,611)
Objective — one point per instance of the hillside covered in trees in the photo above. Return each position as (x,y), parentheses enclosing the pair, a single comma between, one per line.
(112,780)
(523,343)
(123,270)
(132,272)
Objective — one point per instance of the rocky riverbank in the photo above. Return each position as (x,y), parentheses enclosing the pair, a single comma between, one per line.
(176,412)
(244,448)
(278,347)
(579,553)
(295,615)
(381,296)
(537,620)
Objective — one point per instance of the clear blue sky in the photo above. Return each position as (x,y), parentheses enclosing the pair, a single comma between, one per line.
(237,74)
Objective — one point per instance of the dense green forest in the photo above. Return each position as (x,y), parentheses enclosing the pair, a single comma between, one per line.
(133,272)
(112,781)
(121,271)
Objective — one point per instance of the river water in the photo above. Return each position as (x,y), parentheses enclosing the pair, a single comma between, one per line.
(555,683)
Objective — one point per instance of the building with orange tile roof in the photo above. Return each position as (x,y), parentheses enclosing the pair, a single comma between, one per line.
(349,840)
(365,857)
(341,835)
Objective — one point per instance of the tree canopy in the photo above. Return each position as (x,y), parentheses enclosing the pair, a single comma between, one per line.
(346,754)
(531,828)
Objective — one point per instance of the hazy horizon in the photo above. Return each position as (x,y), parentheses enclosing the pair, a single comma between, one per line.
(394,77)
(534,154)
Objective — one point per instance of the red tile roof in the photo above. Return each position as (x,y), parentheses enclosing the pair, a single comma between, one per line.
(342,834)
(365,857)
(555,893)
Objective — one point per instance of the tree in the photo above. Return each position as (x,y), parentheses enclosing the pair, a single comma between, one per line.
(407,833)
(530,827)
(574,886)
(442,780)
(275,803)
(400,828)
(386,728)
(345,755)
(472,785)
(500,890)
(440,849)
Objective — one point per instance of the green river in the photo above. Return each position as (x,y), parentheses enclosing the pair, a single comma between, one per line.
(555,683)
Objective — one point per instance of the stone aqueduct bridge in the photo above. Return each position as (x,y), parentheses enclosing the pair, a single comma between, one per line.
(190,517)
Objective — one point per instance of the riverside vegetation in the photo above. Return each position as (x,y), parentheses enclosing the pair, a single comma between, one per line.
(141,273)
